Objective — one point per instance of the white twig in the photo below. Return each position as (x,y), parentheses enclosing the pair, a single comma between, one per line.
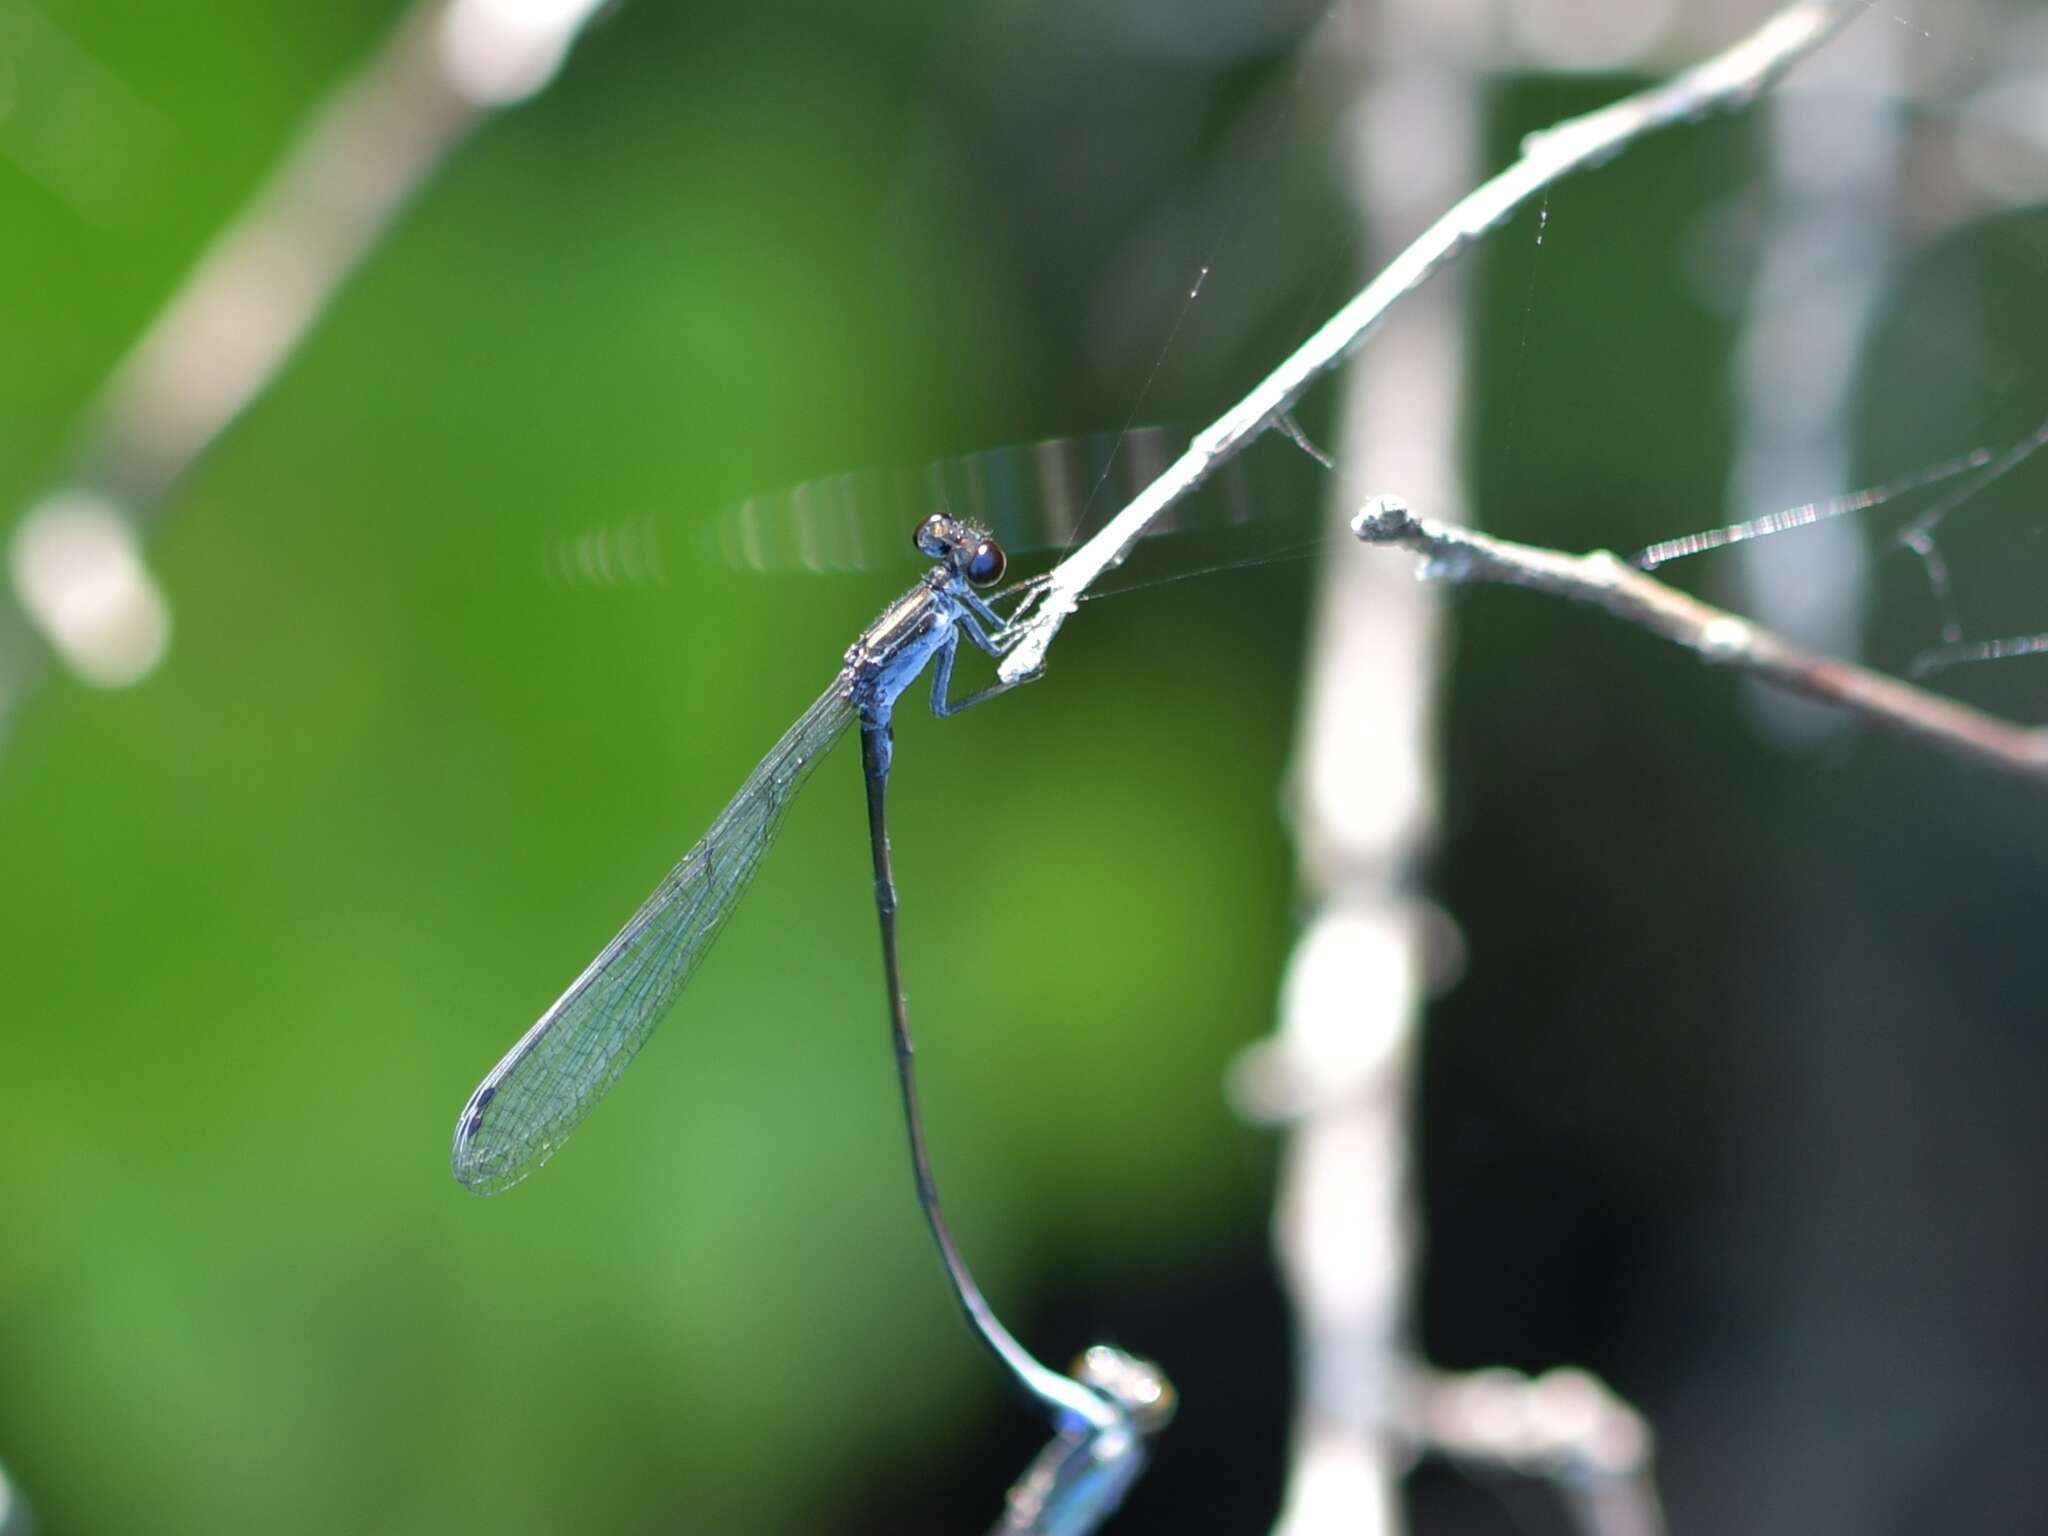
(364,152)
(1338,1070)
(15,1519)
(1604,581)
(1564,1426)
(75,558)
(1730,80)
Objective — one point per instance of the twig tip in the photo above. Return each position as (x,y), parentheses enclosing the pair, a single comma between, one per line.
(1383,520)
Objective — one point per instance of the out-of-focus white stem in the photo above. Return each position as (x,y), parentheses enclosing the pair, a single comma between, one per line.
(242,313)
(1362,802)
(1564,1426)
(15,1519)
(364,152)
(77,568)
(1729,80)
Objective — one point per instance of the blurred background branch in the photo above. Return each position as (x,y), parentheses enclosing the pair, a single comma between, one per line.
(1563,1427)
(15,1519)
(83,588)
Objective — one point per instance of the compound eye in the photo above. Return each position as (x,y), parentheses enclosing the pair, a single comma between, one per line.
(929,536)
(986,565)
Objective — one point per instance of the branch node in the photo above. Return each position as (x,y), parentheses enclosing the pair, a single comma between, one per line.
(1725,640)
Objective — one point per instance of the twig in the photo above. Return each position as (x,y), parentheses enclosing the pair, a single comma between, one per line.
(1728,81)
(1564,1426)
(1336,1076)
(240,317)
(365,151)
(15,1516)
(1604,581)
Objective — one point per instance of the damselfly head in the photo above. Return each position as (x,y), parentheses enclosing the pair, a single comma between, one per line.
(967,549)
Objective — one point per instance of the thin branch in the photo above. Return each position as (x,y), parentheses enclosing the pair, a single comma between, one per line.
(81,588)
(15,1516)
(1726,82)
(1336,1076)
(1604,581)
(1565,1426)
(365,151)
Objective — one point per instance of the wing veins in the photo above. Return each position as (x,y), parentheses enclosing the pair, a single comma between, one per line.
(568,1060)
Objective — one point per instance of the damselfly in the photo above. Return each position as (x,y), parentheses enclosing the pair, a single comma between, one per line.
(556,1073)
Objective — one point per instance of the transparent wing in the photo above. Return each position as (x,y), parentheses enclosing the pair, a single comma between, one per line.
(1032,497)
(562,1066)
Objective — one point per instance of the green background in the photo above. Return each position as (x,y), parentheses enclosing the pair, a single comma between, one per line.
(267,918)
